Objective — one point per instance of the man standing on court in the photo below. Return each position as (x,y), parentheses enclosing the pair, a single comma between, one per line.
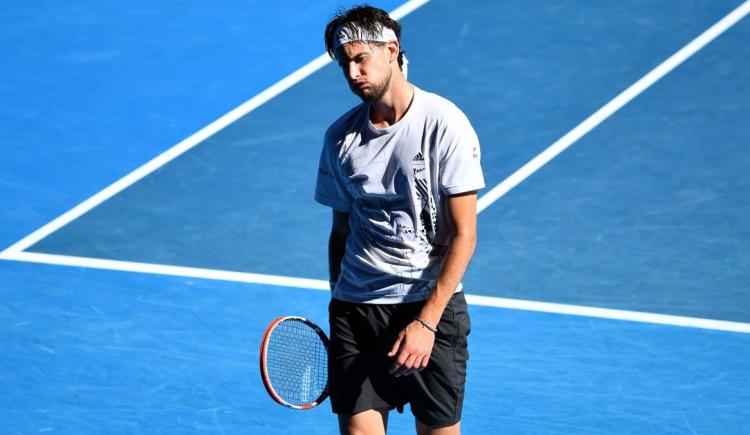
(400,172)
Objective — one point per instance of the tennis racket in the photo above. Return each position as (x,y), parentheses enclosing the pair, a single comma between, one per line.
(294,362)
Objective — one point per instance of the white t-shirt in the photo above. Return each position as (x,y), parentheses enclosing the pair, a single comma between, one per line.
(395,184)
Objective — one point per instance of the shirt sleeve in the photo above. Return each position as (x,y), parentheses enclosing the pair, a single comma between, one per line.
(460,168)
(329,188)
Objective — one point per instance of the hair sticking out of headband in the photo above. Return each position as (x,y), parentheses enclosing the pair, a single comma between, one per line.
(347,33)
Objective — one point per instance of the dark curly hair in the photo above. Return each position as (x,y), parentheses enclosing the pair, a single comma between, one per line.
(363,18)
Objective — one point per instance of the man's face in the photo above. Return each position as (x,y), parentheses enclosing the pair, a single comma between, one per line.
(366,68)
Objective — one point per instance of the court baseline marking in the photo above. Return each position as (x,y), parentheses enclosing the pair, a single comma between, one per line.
(317,284)
(16,251)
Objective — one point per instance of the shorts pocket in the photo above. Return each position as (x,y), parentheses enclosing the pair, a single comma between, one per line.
(463,326)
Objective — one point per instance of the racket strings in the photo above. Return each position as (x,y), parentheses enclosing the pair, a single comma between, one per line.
(297,362)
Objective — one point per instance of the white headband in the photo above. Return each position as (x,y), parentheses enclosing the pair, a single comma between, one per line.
(344,35)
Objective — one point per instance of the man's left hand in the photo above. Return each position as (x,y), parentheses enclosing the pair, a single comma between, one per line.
(411,350)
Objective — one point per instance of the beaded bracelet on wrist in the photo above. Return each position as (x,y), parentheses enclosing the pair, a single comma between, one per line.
(426,325)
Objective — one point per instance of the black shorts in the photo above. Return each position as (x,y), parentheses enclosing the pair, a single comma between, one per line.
(358,378)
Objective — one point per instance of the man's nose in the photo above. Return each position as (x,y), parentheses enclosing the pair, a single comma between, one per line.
(352,71)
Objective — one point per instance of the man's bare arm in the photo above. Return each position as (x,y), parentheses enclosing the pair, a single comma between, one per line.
(413,346)
(337,243)
(464,212)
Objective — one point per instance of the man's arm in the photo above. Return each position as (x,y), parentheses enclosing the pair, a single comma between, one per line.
(337,244)
(413,346)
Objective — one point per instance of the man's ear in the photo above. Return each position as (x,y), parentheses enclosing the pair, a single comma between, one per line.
(394,49)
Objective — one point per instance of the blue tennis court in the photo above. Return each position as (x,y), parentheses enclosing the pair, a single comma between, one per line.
(158,169)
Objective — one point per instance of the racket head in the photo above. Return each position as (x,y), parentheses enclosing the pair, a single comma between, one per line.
(294,362)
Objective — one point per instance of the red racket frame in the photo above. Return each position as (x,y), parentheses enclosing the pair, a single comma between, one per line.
(264,370)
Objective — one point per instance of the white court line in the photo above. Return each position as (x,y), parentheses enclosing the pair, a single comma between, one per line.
(609,313)
(164,269)
(198,137)
(613,106)
(315,284)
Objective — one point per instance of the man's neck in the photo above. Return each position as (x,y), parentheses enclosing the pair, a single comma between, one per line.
(393,105)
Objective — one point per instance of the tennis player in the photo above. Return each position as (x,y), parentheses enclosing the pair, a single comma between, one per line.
(400,172)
